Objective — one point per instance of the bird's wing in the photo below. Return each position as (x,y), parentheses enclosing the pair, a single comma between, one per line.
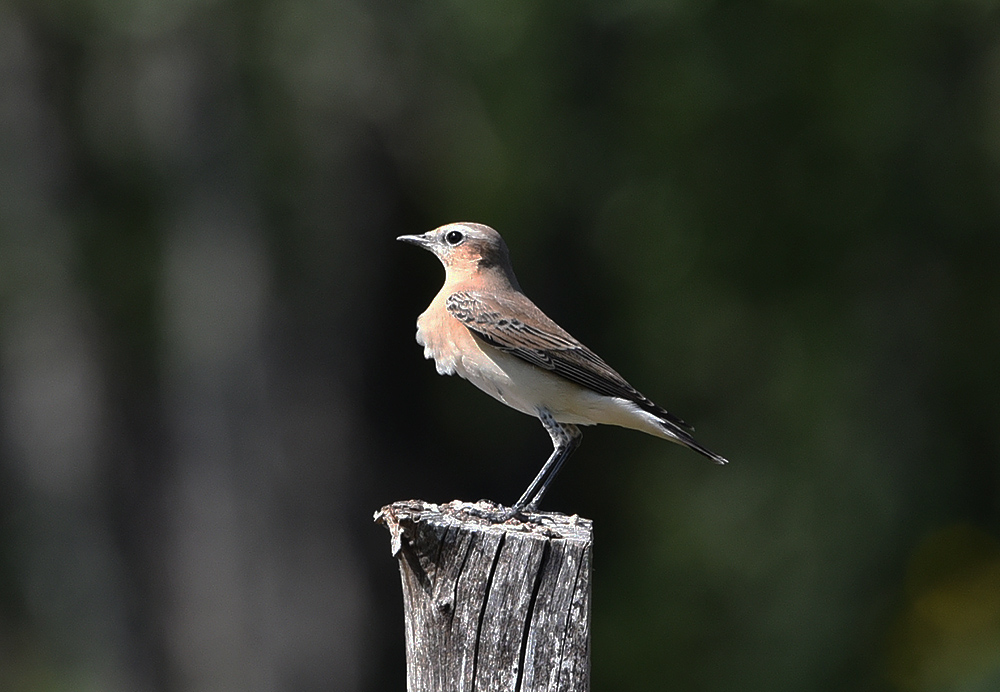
(513,324)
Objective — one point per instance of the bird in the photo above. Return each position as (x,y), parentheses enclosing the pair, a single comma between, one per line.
(481,327)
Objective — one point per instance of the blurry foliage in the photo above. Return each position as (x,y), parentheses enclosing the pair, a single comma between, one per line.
(948,635)
(779,219)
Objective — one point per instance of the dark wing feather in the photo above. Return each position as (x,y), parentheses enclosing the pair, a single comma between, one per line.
(513,324)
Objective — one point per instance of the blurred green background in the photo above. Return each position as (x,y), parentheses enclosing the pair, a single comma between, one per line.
(780,220)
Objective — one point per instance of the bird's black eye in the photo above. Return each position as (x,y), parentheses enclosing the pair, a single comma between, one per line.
(454,237)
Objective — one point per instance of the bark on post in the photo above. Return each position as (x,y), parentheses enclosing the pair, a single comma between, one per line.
(492,607)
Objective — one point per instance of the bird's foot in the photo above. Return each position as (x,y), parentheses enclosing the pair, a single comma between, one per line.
(498,514)
(524,513)
(492,512)
(511,513)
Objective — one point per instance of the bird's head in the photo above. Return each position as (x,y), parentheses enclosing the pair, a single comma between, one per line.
(467,249)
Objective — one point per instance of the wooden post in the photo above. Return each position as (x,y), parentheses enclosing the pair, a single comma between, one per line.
(492,607)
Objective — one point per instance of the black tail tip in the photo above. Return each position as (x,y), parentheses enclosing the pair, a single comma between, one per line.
(685,438)
(721,461)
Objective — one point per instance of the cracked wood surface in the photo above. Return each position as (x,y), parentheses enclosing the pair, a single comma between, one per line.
(492,607)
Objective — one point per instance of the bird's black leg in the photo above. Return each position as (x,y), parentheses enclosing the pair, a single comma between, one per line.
(565,439)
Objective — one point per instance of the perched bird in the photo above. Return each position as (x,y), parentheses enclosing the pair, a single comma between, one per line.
(480,326)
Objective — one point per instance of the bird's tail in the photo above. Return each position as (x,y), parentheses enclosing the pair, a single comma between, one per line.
(692,443)
(680,432)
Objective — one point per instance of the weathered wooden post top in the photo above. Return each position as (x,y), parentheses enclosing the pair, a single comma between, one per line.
(501,607)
